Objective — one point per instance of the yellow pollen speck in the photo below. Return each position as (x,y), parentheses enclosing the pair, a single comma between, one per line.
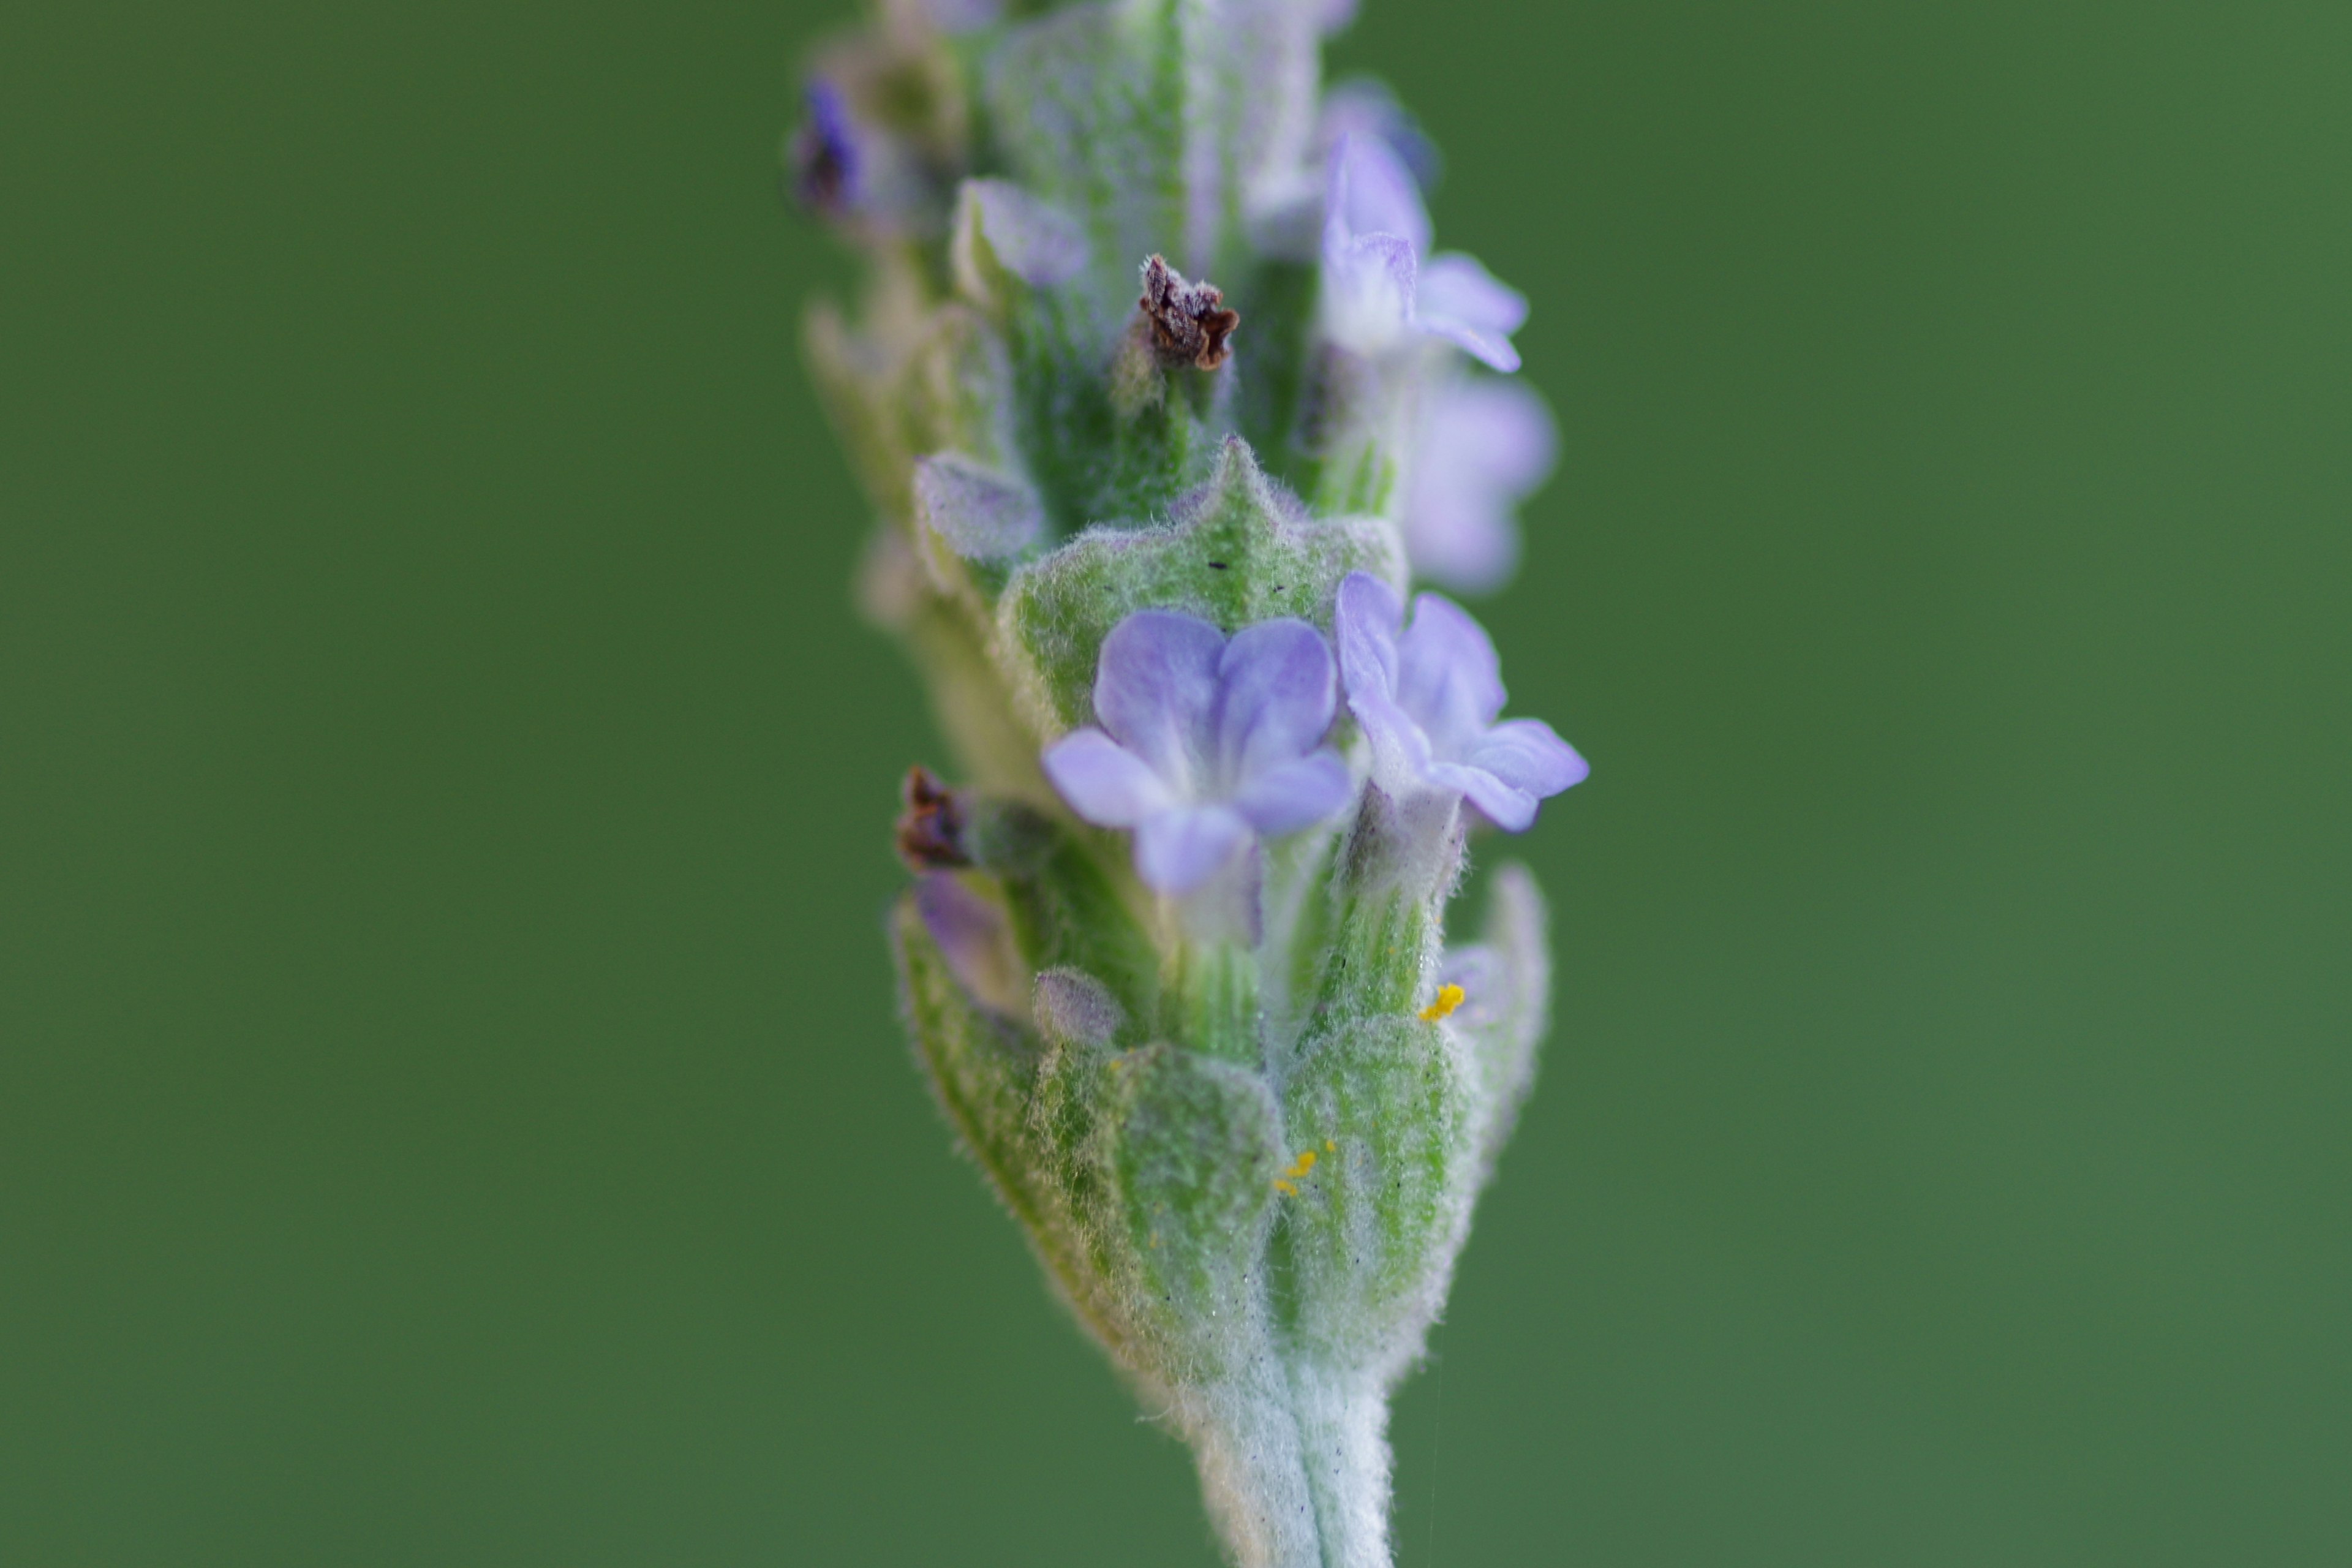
(1285,1187)
(1449,997)
(1329,1147)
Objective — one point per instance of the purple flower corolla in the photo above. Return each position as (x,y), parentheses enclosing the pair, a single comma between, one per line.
(847,167)
(1483,446)
(1377,289)
(1206,744)
(1428,697)
(827,163)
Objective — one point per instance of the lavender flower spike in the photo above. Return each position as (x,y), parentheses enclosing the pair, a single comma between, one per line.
(1376,289)
(1242,1096)
(1206,744)
(1428,697)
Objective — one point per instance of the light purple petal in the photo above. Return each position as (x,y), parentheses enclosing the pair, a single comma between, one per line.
(1512,810)
(1448,678)
(974,938)
(1154,690)
(1527,754)
(1177,851)
(1496,431)
(1437,731)
(1105,782)
(1294,794)
(1487,348)
(1482,445)
(1365,619)
(1275,697)
(1462,302)
(1331,16)
(1483,347)
(1458,537)
(1456,284)
(1370,191)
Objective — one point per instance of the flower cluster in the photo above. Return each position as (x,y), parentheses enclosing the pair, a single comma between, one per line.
(1165,402)
(1206,744)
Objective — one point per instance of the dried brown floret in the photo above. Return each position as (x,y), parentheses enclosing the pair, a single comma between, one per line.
(930,829)
(1188,322)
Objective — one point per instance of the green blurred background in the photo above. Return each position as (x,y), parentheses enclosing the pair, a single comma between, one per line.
(450,1107)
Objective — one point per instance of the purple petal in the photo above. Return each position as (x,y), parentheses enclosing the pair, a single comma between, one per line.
(1456,284)
(828,165)
(1448,678)
(1275,697)
(1370,191)
(1294,794)
(1365,619)
(1331,16)
(1481,444)
(1177,851)
(1512,810)
(1527,754)
(1487,348)
(1154,690)
(1462,302)
(1496,432)
(1105,782)
(1458,537)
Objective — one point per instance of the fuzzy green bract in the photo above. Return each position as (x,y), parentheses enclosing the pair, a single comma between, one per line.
(1244,1127)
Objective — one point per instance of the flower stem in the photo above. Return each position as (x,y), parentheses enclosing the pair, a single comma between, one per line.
(1294,1464)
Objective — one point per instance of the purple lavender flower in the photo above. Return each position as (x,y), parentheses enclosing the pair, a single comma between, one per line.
(849,166)
(1482,446)
(1206,744)
(825,162)
(1376,288)
(1428,697)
